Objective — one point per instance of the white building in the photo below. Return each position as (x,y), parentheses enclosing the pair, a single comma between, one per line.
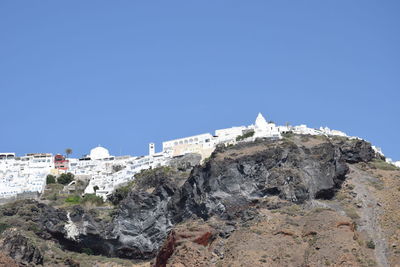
(303,129)
(228,135)
(99,153)
(105,172)
(5,156)
(263,129)
(105,177)
(25,174)
(202,144)
(327,131)
(378,150)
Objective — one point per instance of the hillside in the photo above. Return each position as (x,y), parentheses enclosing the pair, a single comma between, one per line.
(299,201)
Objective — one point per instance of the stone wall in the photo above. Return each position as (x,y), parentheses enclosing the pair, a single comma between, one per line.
(25,195)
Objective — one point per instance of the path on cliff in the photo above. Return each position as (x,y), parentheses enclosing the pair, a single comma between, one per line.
(369,213)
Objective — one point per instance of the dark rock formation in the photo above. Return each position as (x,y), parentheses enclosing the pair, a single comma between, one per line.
(143,222)
(44,220)
(354,151)
(21,248)
(294,173)
(186,162)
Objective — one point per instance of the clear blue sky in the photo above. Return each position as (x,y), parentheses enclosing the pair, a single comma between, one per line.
(125,73)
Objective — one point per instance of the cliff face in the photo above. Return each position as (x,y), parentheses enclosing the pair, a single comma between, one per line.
(234,177)
(20,248)
(227,191)
(225,185)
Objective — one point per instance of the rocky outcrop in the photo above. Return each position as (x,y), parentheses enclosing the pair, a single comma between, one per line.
(21,248)
(39,215)
(354,151)
(166,250)
(143,222)
(138,229)
(185,162)
(191,235)
(236,176)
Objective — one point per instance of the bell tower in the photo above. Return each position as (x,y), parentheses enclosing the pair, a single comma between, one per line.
(152,149)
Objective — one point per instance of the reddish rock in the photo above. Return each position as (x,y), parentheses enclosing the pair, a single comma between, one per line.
(204,239)
(166,250)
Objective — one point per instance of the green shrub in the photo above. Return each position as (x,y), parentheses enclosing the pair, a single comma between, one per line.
(288,134)
(92,198)
(50,179)
(120,193)
(65,178)
(371,244)
(34,227)
(73,199)
(87,251)
(3,227)
(53,197)
(206,159)
(245,135)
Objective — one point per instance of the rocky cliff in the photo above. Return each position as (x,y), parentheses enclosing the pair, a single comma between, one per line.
(236,187)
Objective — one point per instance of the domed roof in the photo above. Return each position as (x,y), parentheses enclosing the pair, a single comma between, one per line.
(99,153)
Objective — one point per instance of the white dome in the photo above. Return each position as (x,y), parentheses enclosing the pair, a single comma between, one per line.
(99,153)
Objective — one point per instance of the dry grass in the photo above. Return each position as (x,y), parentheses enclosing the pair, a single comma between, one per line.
(378,185)
(351,212)
(383,165)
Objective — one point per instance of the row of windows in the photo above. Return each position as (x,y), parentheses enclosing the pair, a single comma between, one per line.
(40,160)
(186,141)
(7,156)
(190,141)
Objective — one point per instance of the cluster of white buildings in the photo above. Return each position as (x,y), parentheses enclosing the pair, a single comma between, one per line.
(105,172)
(23,174)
